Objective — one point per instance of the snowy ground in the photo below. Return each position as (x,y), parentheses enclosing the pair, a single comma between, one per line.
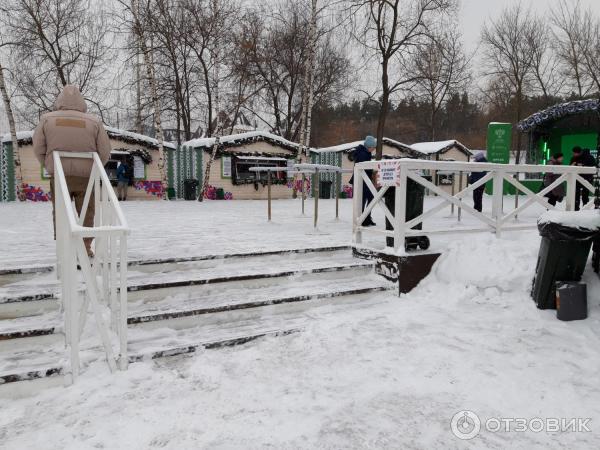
(388,375)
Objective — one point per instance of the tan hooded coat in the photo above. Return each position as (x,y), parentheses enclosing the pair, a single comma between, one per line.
(69,129)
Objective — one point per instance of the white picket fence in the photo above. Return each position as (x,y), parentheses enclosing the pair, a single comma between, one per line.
(498,221)
(104,277)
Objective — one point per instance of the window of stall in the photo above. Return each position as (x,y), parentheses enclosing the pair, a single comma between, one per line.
(242,164)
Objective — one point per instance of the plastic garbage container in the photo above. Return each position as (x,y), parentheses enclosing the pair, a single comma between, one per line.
(189,189)
(571,301)
(171,193)
(415,196)
(325,189)
(566,241)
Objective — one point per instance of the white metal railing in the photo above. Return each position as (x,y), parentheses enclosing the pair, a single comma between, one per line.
(497,221)
(104,276)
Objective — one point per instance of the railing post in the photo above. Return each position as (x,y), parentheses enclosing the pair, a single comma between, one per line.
(460,188)
(123,358)
(357,196)
(571,188)
(400,210)
(497,199)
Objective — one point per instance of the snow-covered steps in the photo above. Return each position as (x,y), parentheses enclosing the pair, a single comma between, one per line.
(234,298)
(44,359)
(29,271)
(169,274)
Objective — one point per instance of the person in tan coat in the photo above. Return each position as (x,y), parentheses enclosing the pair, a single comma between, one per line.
(70,129)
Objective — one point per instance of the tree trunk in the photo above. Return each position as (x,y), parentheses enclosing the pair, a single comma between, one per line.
(149,64)
(138,110)
(385,100)
(13,135)
(213,153)
(312,48)
(519,101)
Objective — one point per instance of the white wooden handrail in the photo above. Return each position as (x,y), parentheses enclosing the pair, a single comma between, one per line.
(498,174)
(109,264)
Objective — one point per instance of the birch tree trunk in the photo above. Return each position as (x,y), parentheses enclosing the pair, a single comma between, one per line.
(149,64)
(310,73)
(13,135)
(213,153)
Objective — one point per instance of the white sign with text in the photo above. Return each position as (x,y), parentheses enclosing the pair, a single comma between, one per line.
(388,173)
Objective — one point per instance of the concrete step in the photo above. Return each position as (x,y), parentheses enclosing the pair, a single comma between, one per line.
(161,285)
(228,301)
(29,270)
(43,360)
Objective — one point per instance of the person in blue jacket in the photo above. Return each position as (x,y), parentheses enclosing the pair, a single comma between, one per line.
(474,178)
(363,153)
(123,179)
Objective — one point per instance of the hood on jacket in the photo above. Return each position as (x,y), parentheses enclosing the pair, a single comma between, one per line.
(70,99)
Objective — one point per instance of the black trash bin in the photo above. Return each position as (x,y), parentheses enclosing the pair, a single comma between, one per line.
(563,254)
(415,196)
(189,189)
(325,189)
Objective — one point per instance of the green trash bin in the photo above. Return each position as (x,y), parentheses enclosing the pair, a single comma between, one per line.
(563,254)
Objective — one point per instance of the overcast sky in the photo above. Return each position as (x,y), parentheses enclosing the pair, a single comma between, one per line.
(474,13)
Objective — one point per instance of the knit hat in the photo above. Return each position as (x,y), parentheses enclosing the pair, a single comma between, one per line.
(370,142)
(479,157)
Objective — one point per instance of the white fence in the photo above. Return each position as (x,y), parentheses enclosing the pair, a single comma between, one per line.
(104,276)
(497,222)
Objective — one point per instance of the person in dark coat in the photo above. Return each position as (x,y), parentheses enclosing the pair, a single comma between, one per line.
(583,158)
(123,179)
(363,153)
(474,178)
(558,193)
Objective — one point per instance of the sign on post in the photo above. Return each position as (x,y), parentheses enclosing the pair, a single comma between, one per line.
(499,139)
(388,173)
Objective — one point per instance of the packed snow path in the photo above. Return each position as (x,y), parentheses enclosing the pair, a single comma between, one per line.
(387,373)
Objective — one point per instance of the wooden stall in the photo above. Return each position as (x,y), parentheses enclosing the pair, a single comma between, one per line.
(35,183)
(230,175)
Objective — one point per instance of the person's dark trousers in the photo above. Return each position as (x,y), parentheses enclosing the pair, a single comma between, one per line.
(478,198)
(367,197)
(582,194)
(552,199)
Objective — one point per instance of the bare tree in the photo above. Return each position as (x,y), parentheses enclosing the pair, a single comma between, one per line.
(591,49)
(442,69)
(568,19)
(508,54)
(545,66)
(393,30)
(139,27)
(272,51)
(66,42)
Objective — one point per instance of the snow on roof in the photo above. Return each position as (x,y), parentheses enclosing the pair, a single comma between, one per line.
(21,136)
(352,145)
(129,136)
(114,133)
(338,148)
(233,140)
(431,148)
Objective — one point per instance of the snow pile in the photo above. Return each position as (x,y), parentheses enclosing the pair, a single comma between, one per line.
(588,219)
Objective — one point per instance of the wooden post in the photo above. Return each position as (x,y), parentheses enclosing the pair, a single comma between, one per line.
(460,188)
(337,195)
(303,191)
(269,193)
(316,194)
